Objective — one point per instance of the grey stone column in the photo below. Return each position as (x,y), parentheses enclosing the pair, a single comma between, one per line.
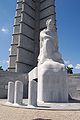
(18,96)
(32,94)
(10,97)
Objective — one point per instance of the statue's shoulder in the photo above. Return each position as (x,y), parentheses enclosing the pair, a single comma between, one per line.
(43,31)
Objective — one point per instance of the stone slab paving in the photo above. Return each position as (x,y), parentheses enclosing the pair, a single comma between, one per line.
(10,113)
(14,113)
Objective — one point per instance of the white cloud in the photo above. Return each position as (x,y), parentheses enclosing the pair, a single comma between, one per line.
(10,49)
(4,30)
(66,62)
(4,62)
(77,66)
(7,62)
(71,66)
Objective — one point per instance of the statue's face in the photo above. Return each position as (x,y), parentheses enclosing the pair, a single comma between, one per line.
(50,24)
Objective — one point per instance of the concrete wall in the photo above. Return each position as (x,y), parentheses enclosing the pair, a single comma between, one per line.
(5,77)
(74,87)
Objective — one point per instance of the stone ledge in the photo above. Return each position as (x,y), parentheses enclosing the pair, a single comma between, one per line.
(46,106)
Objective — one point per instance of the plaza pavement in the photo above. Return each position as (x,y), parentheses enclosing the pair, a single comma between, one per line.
(12,113)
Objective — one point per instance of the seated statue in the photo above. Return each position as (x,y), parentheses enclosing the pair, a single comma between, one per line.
(52,82)
(49,44)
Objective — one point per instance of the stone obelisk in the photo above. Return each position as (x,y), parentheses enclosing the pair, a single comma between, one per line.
(30,19)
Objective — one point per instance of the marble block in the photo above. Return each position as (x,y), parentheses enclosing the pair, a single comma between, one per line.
(52,82)
(18,95)
(32,94)
(10,96)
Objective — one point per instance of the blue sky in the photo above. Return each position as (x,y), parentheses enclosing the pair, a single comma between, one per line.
(68,25)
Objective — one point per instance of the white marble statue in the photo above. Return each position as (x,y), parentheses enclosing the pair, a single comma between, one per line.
(49,44)
(52,82)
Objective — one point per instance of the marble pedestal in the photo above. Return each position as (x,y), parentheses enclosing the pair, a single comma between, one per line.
(18,95)
(10,96)
(32,94)
(52,82)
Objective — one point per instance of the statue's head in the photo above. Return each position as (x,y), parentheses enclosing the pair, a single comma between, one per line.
(50,24)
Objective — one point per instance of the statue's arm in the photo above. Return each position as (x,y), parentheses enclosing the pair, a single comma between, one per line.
(41,39)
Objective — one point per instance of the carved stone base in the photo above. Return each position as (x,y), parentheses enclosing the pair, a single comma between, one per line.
(52,82)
